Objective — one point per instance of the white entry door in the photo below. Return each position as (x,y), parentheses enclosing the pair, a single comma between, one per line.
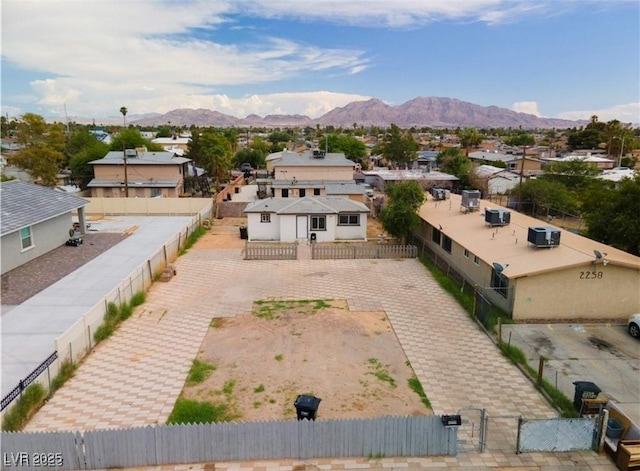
(301,227)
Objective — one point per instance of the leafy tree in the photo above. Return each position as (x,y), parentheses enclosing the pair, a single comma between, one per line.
(164,131)
(454,162)
(259,144)
(541,193)
(41,161)
(214,153)
(612,215)
(469,137)
(352,148)
(399,217)
(31,129)
(253,156)
(399,146)
(279,140)
(81,171)
(572,173)
(131,138)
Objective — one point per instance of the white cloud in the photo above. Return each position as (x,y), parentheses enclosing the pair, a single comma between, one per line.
(629,113)
(529,107)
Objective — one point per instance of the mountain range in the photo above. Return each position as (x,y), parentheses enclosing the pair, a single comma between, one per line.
(418,112)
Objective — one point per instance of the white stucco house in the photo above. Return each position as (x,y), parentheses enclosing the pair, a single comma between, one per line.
(323,218)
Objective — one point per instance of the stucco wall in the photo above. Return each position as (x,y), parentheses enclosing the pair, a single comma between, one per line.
(313,173)
(353,232)
(586,292)
(46,236)
(263,230)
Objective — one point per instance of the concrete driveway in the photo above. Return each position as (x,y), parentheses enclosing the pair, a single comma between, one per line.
(602,354)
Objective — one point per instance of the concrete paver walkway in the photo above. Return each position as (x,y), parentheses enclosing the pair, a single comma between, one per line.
(135,377)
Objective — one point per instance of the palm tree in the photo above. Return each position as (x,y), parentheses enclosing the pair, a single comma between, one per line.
(123,110)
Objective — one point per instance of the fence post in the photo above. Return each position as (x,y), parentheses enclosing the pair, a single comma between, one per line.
(499,330)
(520,420)
(540,370)
(70,352)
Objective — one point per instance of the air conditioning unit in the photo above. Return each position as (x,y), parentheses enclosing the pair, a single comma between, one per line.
(470,200)
(544,236)
(497,217)
(438,193)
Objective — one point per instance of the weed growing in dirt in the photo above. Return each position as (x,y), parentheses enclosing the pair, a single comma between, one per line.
(259,388)
(188,411)
(67,369)
(191,239)
(138,298)
(199,371)
(257,404)
(380,371)
(216,323)
(227,387)
(416,387)
(268,309)
(279,357)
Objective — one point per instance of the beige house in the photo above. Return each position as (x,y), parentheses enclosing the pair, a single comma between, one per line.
(314,173)
(148,174)
(571,277)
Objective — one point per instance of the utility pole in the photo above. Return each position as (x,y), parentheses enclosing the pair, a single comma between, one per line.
(124,110)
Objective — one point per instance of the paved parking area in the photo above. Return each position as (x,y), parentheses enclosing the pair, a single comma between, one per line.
(599,353)
(134,377)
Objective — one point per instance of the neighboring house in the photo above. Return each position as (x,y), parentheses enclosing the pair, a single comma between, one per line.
(180,142)
(617,174)
(380,178)
(567,281)
(35,220)
(498,180)
(149,174)
(314,173)
(601,163)
(528,165)
(330,218)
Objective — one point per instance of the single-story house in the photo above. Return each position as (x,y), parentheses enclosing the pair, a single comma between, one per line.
(325,218)
(35,220)
(381,177)
(529,269)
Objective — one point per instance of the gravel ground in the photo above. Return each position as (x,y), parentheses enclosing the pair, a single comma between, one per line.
(23,282)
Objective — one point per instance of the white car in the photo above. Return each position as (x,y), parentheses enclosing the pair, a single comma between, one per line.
(634,325)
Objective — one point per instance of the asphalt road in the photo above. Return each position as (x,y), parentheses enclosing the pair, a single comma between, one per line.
(602,354)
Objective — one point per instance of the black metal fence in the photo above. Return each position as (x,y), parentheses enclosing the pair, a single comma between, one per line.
(23,383)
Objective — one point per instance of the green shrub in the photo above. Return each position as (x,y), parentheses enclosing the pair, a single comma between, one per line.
(126,310)
(189,411)
(67,368)
(19,414)
(513,353)
(191,239)
(103,332)
(138,298)
(112,313)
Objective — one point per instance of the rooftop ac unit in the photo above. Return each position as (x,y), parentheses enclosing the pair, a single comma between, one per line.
(130,153)
(318,154)
(438,193)
(470,200)
(544,236)
(497,217)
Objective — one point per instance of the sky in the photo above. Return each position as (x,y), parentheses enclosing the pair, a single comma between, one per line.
(567,59)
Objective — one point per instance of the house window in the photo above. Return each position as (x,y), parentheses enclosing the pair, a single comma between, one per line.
(285,192)
(465,253)
(446,244)
(303,192)
(155,192)
(316,192)
(436,235)
(476,260)
(25,238)
(318,223)
(265,217)
(500,283)
(349,220)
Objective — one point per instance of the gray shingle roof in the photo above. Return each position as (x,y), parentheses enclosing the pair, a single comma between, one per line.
(307,205)
(142,158)
(24,204)
(306,159)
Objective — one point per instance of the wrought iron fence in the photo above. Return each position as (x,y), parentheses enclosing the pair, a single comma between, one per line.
(26,381)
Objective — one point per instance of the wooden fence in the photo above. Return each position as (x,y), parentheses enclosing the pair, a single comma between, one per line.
(332,252)
(179,444)
(270,252)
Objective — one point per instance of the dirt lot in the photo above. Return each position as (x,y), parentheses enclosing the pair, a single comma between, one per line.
(264,359)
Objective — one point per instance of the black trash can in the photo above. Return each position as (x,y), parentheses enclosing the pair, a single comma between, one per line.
(244,234)
(313,237)
(306,406)
(584,390)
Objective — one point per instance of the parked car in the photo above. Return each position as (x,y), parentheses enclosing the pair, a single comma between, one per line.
(634,325)
(245,167)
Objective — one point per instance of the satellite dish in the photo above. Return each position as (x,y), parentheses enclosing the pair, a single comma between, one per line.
(598,254)
(497,267)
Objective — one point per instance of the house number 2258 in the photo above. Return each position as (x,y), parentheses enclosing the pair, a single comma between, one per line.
(590,275)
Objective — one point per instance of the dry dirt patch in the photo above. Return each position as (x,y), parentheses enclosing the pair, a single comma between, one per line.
(264,359)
